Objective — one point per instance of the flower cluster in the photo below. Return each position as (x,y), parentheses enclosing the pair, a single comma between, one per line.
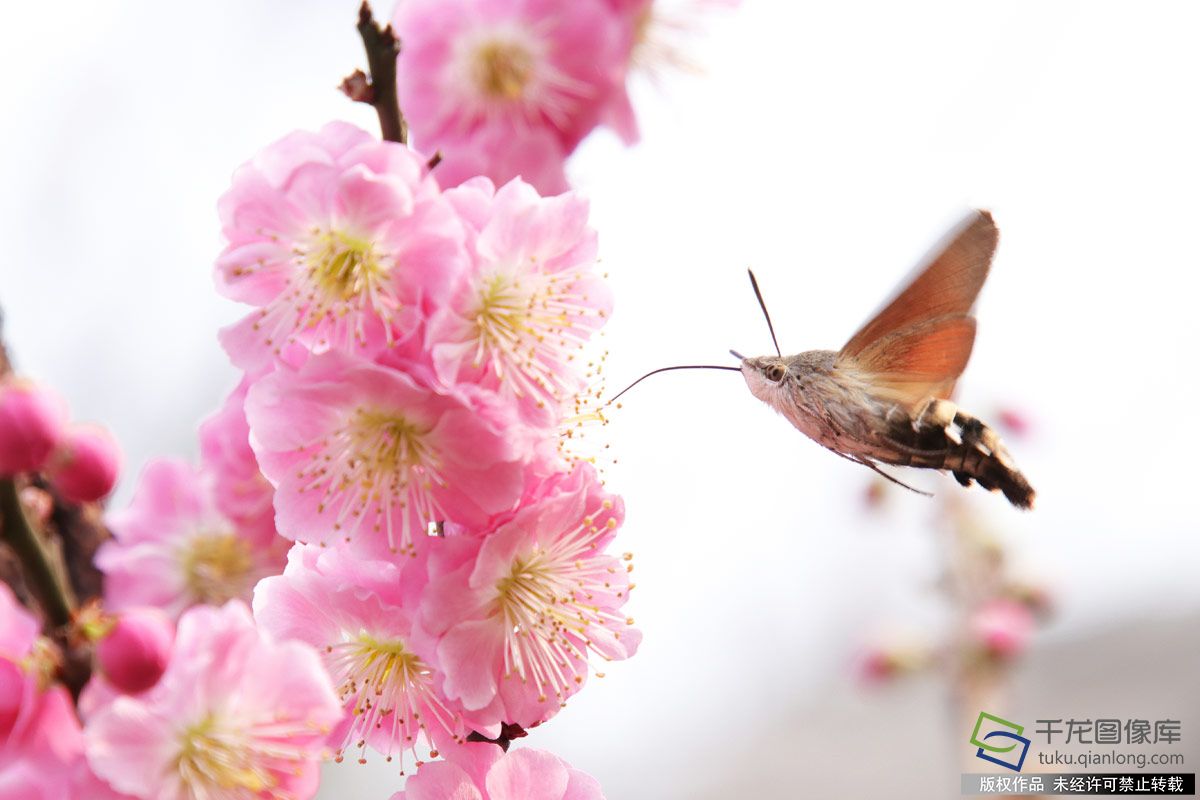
(449,564)
(411,361)
(386,544)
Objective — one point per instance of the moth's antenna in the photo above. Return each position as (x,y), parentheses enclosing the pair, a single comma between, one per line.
(763,306)
(668,369)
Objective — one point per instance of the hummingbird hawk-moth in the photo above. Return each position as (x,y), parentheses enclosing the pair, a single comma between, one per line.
(884,398)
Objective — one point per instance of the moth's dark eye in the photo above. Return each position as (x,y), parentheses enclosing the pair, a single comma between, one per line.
(775,372)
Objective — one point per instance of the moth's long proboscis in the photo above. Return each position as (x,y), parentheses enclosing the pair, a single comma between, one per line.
(668,369)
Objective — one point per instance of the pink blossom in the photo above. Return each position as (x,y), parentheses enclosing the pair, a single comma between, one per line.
(536,156)
(18,628)
(32,419)
(361,450)
(235,715)
(518,616)
(85,465)
(878,666)
(40,739)
(171,548)
(883,663)
(340,240)
(1015,421)
(470,68)
(483,771)
(530,302)
(133,654)
(359,613)
(241,492)
(657,36)
(1002,628)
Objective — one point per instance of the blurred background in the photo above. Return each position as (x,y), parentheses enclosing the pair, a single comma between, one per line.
(826,146)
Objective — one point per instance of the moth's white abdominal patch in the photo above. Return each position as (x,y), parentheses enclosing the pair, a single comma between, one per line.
(954,433)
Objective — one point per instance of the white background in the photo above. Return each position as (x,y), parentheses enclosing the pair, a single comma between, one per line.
(827,145)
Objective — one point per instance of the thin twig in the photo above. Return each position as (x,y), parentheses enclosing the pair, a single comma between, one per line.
(382,48)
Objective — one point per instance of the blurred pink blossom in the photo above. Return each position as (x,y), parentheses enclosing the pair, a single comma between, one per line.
(240,490)
(361,450)
(520,613)
(497,76)
(32,419)
(883,663)
(483,771)
(1015,421)
(1002,628)
(531,300)
(40,739)
(342,241)
(172,548)
(536,156)
(234,715)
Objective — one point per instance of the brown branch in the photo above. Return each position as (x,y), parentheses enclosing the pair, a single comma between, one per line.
(42,579)
(80,531)
(508,732)
(382,48)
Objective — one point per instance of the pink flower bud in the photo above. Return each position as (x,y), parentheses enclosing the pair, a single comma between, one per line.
(1002,627)
(884,663)
(84,468)
(1014,421)
(878,667)
(134,653)
(31,424)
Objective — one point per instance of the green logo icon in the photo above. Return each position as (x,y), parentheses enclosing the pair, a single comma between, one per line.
(989,731)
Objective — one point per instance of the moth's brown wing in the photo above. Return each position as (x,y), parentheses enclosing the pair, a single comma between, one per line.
(947,284)
(921,361)
(920,342)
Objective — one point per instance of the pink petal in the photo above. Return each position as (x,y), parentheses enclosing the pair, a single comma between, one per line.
(441,780)
(527,774)
(470,653)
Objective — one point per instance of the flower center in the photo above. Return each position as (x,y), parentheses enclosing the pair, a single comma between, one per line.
(380,469)
(342,286)
(391,690)
(557,603)
(386,443)
(344,267)
(217,567)
(214,759)
(529,326)
(502,70)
